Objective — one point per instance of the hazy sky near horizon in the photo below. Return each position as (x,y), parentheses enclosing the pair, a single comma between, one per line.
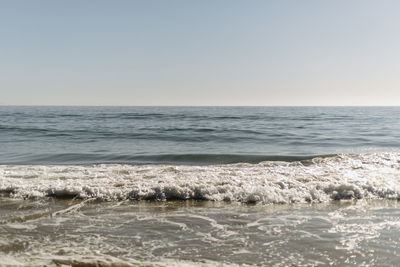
(216,52)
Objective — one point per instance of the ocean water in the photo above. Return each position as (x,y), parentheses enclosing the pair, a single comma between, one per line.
(199,186)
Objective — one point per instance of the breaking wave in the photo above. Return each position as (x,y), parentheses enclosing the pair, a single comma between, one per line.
(317,179)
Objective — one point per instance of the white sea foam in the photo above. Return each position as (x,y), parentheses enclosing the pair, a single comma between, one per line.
(321,179)
(102,260)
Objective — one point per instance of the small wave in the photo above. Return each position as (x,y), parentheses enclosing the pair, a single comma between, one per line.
(182,159)
(318,179)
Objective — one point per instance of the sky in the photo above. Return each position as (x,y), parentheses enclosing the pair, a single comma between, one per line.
(208,52)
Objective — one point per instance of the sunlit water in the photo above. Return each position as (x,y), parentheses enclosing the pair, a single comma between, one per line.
(51,232)
(120,186)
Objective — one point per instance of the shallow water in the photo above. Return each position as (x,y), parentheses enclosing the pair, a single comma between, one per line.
(50,232)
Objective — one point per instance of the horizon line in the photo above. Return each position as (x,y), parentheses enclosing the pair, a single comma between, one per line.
(67,105)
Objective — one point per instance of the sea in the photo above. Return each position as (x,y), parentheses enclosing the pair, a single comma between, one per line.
(199,186)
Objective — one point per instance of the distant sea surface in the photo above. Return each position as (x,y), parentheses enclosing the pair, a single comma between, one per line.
(199,186)
(191,135)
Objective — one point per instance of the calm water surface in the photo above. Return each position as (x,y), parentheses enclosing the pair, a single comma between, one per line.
(191,135)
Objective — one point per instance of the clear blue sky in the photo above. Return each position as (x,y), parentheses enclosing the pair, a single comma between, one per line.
(217,52)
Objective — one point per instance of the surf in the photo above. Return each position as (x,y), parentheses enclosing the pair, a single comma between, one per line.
(319,179)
